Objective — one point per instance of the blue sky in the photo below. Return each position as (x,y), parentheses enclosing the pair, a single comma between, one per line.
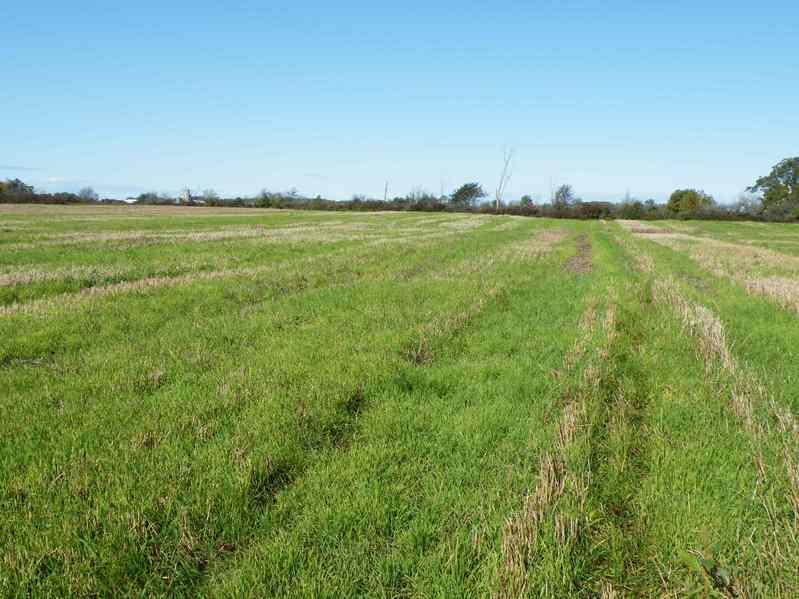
(338,98)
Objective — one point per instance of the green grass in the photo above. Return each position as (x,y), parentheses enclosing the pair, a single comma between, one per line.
(265,403)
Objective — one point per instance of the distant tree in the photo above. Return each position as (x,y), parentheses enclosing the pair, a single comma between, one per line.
(209,195)
(689,200)
(780,188)
(564,196)
(467,195)
(526,201)
(87,194)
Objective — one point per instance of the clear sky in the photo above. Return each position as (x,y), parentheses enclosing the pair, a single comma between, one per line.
(337,98)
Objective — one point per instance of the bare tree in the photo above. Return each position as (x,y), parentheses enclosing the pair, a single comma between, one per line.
(507,157)
(564,196)
(87,194)
(419,193)
(210,195)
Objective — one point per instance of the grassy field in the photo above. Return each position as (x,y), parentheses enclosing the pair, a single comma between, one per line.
(224,403)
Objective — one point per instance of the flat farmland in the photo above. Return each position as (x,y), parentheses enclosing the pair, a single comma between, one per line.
(231,402)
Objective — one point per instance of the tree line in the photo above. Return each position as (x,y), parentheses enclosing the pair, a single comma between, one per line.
(773,197)
(14,191)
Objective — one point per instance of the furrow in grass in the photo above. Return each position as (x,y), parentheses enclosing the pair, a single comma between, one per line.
(643,261)
(581,263)
(581,532)
(528,533)
(641,478)
(588,536)
(617,543)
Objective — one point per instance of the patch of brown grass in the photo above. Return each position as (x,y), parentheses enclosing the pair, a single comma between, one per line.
(145,284)
(784,291)
(761,271)
(582,262)
(641,227)
(607,591)
(585,329)
(521,532)
(643,261)
(700,322)
(36,275)
(462,224)
(317,232)
(71,300)
(534,247)
(510,224)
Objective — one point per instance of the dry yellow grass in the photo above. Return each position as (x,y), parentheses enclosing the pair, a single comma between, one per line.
(533,247)
(759,270)
(784,291)
(67,301)
(642,227)
(26,276)
(515,223)
(103,213)
(72,300)
(294,233)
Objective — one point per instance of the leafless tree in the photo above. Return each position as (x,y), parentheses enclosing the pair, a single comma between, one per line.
(564,196)
(507,157)
(418,194)
(210,195)
(87,194)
